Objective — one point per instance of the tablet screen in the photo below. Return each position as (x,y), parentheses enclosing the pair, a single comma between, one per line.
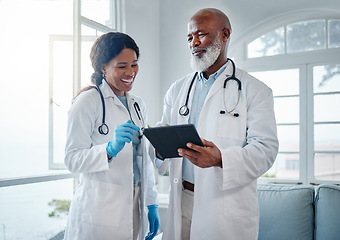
(168,139)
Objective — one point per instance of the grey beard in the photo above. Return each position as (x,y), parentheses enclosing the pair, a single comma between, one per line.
(201,64)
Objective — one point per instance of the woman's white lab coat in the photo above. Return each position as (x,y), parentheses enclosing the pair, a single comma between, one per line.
(225,199)
(103,202)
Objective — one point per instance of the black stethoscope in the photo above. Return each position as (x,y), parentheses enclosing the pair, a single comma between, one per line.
(103,128)
(184,110)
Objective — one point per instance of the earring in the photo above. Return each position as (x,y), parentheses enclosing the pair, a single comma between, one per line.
(104,76)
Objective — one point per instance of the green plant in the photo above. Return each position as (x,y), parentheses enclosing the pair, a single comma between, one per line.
(266,175)
(61,207)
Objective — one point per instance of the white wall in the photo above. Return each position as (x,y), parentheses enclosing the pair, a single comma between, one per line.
(142,24)
(175,54)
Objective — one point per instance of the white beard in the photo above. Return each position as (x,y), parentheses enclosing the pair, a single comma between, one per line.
(201,64)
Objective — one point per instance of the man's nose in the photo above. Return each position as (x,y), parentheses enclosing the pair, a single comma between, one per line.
(195,42)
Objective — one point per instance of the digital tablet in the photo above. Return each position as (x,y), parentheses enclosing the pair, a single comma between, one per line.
(168,139)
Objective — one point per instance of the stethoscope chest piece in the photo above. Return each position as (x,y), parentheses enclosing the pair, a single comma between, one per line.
(103,129)
(184,110)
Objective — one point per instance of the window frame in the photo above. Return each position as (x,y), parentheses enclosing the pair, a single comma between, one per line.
(78,21)
(304,61)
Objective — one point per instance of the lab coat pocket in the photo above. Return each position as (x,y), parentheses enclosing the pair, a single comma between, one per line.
(105,204)
(230,130)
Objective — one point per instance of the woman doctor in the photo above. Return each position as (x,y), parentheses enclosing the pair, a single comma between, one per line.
(116,178)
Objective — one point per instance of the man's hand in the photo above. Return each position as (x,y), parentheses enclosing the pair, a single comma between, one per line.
(204,157)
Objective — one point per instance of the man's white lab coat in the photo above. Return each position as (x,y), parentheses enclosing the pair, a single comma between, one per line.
(225,199)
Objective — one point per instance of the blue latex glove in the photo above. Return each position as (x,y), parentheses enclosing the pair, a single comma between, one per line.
(123,134)
(153,221)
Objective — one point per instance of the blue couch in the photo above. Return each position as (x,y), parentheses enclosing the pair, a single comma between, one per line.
(295,212)
(298,212)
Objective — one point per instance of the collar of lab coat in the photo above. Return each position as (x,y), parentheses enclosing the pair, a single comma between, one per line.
(218,84)
(106,90)
(107,93)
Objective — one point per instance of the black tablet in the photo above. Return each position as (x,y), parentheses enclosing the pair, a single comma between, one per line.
(168,139)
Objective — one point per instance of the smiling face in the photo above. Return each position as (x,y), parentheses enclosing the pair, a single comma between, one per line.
(207,38)
(121,71)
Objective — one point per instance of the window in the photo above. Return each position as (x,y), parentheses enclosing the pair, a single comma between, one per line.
(269,44)
(44,60)
(60,95)
(326,91)
(306,36)
(70,68)
(297,37)
(27,28)
(300,62)
(285,86)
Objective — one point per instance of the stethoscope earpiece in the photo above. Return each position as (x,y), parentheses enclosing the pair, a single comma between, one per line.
(232,114)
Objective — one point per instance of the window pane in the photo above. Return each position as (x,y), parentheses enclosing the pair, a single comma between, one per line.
(286,166)
(289,138)
(89,31)
(327,137)
(24,59)
(62,95)
(326,78)
(25,210)
(287,110)
(326,107)
(282,82)
(327,166)
(306,36)
(333,33)
(86,68)
(271,43)
(89,35)
(98,10)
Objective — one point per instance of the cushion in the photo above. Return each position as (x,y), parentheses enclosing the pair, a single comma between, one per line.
(286,212)
(327,212)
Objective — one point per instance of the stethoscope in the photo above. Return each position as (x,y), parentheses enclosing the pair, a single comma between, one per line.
(184,110)
(104,129)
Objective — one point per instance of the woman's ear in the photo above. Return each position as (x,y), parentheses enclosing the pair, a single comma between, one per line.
(103,69)
(103,72)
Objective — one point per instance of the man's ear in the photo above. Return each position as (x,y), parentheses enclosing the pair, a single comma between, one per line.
(225,34)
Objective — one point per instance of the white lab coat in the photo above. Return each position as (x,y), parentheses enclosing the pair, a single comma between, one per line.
(225,199)
(103,202)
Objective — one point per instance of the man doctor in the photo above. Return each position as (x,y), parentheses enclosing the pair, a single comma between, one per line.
(213,188)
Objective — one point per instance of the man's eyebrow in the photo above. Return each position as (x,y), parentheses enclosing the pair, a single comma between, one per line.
(192,33)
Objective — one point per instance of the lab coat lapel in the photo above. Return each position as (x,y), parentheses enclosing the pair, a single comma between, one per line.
(218,84)
(131,100)
(108,93)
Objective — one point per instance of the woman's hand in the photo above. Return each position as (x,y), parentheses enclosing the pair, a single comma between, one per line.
(123,134)
(153,217)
